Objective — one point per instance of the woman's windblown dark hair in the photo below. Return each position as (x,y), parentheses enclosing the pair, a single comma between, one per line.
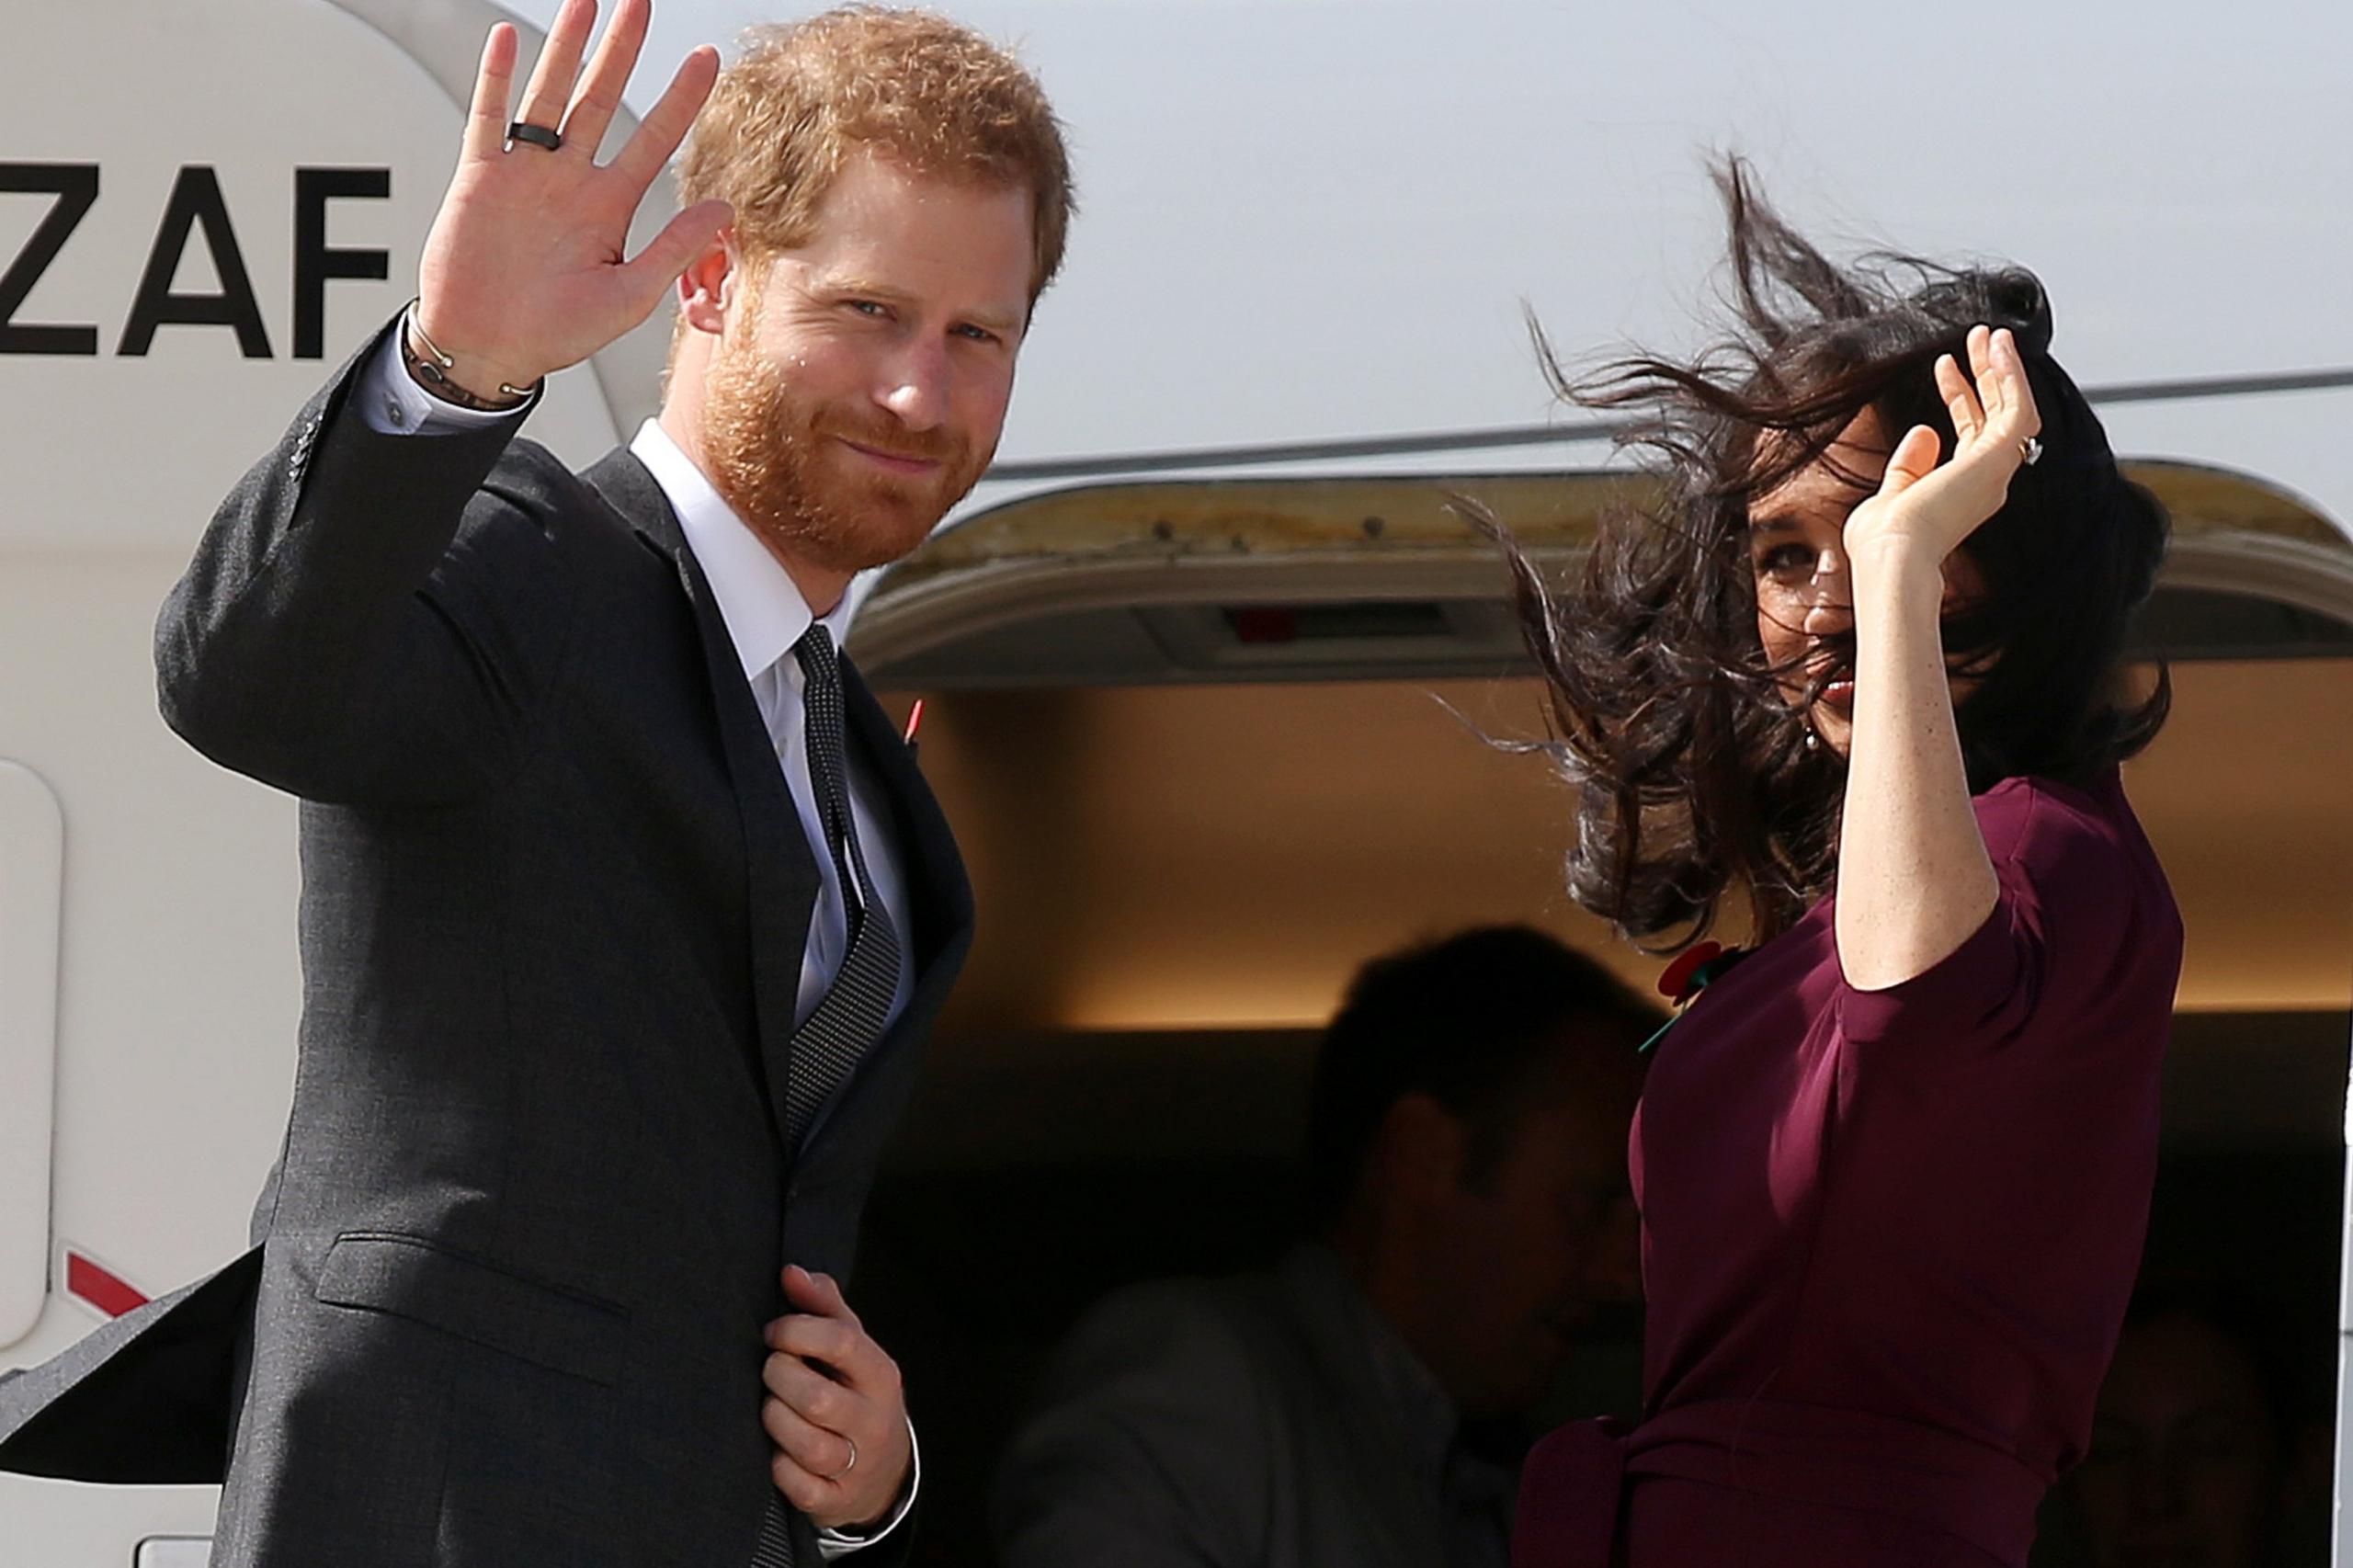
(1691,764)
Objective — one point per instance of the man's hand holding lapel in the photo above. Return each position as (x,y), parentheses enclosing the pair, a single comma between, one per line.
(835,1410)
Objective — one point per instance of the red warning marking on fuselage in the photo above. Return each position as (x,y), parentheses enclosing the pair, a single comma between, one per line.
(103,1289)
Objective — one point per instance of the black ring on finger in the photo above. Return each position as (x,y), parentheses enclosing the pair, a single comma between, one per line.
(537,135)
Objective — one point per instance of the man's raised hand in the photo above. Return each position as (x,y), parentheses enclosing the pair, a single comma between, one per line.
(526,269)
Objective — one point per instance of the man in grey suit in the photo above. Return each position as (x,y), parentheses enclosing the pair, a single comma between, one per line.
(624,908)
(1356,1406)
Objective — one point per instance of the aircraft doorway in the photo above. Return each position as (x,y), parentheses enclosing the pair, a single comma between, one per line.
(1209,747)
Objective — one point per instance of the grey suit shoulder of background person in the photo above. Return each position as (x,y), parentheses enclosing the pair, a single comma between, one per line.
(1218,1424)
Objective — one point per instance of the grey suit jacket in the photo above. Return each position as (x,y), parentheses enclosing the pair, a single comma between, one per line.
(506,1302)
(1241,1423)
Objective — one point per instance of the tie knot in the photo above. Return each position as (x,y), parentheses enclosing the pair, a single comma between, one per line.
(816,651)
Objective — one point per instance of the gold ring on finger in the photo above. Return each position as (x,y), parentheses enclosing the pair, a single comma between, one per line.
(851,1465)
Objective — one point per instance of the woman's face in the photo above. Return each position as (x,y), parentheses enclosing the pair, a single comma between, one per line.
(1797,551)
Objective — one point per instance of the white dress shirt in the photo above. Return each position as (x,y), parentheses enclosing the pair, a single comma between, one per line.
(765,616)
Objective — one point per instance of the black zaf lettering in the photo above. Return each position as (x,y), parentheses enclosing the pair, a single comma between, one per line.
(315,261)
(196,200)
(75,185)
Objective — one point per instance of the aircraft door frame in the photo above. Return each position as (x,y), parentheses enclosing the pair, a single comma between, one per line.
(32,883)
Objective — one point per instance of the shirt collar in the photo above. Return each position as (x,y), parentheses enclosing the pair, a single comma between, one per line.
(759,601)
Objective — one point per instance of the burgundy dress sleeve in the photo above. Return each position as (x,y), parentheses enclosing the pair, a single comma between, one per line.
(2060,923)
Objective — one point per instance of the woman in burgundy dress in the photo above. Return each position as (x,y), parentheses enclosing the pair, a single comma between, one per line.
(1862,667)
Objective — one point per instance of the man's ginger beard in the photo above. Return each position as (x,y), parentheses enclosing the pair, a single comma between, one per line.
(777,458)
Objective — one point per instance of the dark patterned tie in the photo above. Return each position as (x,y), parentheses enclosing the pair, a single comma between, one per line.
(775,1550)
(855,1009)
(852,1014)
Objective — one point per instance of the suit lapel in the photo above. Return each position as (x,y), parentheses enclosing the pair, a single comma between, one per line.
(939,896)
(780,871)
(781,877)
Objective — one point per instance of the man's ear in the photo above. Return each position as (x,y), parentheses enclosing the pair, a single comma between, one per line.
(1421,1145)
(709,288)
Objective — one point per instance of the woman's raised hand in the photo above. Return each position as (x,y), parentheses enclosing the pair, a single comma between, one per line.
(526,269)
(1929,507)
